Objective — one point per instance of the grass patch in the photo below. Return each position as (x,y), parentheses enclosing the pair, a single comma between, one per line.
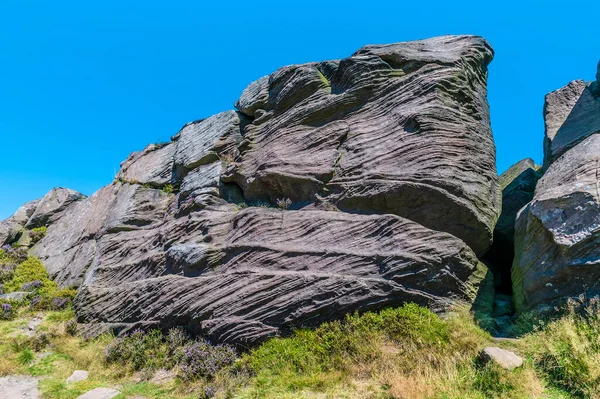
(396,353)
(28,271)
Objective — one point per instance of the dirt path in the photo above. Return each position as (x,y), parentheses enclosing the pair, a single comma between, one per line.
(19,387)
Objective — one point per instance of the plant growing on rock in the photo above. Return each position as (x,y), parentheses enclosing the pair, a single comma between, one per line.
(37,234)
(284,203)
(168,189)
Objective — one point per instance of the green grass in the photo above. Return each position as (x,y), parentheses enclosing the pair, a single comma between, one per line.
(396,353)
(31,269)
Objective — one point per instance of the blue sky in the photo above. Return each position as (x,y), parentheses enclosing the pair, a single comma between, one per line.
(83,84)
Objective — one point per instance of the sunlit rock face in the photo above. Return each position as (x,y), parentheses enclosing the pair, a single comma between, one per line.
(558,234)
(35,214)
(383,166)
(571,114)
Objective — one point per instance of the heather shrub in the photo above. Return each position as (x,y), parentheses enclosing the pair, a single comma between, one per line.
(139,350)
(152,350)
(7,271)
(203,360)
(177,338)
(28,271)
(59,303)
(39,342)
(208,393)
(7,311)
(32,286)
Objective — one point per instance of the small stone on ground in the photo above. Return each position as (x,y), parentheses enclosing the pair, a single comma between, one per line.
(100,393)
(505,359)
(78,375)
(162,377)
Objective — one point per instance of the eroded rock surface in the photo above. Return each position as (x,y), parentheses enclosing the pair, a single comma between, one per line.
(389,164)
(557,235)
(19,387)
(571,114)
(401,129)
(557,245)
(11,228)
(39,213)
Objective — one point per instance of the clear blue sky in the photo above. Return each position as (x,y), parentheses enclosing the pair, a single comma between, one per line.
(83,84)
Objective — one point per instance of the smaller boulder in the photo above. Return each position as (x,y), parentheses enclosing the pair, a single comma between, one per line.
(99,393)
(506,359)
(15,296)
(163,377)
(78,375)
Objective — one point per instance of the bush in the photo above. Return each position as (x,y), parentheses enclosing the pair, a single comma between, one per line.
(139,350)
(28,271)
(59,303)
(153,350)
(201,359)
(7,271)
(6,311)
(39,342)
(357,338)
(32,286)
(37,234)
(168,189)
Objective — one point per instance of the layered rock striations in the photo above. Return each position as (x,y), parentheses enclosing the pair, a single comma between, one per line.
(35,214)
(401,129)
(335,187)
(558,234)
(571,114)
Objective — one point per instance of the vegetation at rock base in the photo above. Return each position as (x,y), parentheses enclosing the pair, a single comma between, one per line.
(405,352)
(37,234)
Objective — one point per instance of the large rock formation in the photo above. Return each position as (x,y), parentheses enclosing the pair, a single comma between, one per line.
(401,129)
(385,160)
(39,213)
(558,233)
(13,226)
(571,114)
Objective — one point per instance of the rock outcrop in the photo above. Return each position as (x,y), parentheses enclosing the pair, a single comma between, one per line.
(335,187)
(39,213)
(11,228)
(401,129)
(571,114)
(558,234)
